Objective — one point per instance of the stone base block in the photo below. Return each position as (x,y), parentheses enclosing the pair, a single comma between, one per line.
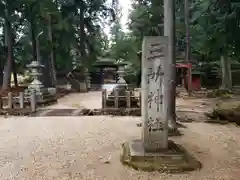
(174,159)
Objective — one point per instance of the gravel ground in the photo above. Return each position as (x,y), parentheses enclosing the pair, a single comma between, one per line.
(90,100)
(88,148)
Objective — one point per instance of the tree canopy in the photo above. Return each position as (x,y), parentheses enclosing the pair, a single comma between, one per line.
(73,31)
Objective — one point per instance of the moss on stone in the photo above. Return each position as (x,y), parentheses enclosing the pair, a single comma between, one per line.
(221,93)
(226,111)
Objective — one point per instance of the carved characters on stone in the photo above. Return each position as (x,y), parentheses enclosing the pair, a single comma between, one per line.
(154,57)
(155,97)
(156,50)
(155,125)
(155,75)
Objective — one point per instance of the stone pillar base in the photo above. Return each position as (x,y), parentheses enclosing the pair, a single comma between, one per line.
(174,159)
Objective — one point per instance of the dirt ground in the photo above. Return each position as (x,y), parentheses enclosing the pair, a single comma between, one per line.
(88,148)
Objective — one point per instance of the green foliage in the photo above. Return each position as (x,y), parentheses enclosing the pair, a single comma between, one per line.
(78,30)
(69,32)
(146,18)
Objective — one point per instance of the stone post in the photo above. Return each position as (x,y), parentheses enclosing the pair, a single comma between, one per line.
(128,99)
(104,98)
(116,98)
(21,100)
(155,125)
(10,100)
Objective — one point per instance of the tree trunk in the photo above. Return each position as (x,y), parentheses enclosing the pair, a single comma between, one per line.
(2,61)
(166,18)
(82,35)
(226,72)
(46,78)
(14,71)
(171,85)
(8,64)
(33,32)
(52,60)
(1,73)
(14,68)
(70,62)
(188,47)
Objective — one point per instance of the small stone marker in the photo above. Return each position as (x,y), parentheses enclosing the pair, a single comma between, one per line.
(155,126)
(10,100)
(21,100)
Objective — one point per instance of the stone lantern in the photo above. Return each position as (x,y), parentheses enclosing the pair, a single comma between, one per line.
(88,78)
(36,85)
(35,72)
(121,73)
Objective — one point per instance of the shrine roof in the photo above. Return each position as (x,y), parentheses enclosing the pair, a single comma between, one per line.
(105,61)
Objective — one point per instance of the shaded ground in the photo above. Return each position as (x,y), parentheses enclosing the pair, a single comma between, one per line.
(88,148)
(194,108)
(73,103)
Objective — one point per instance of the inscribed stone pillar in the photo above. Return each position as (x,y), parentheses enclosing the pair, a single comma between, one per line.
(155,125)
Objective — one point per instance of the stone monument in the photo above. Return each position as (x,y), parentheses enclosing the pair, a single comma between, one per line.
(155,125)
(154,151)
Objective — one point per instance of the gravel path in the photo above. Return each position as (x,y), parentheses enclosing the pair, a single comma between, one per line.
(87,148)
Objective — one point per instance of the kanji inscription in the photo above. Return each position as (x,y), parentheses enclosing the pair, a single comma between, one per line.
(154,60)
(155,97)
(155,125)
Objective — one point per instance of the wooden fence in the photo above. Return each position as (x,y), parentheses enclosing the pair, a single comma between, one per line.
(131,99)
(21,100)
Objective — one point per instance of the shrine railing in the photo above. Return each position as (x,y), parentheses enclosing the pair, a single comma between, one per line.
(18,102)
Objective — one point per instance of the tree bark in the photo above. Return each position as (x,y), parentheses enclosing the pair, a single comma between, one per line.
(52,60)
(33,33)
(166,18)
(1,74)
(186,17)
(188,47)
(171,69)
(82,35)
(8,43)
(14,71)
(2,62)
